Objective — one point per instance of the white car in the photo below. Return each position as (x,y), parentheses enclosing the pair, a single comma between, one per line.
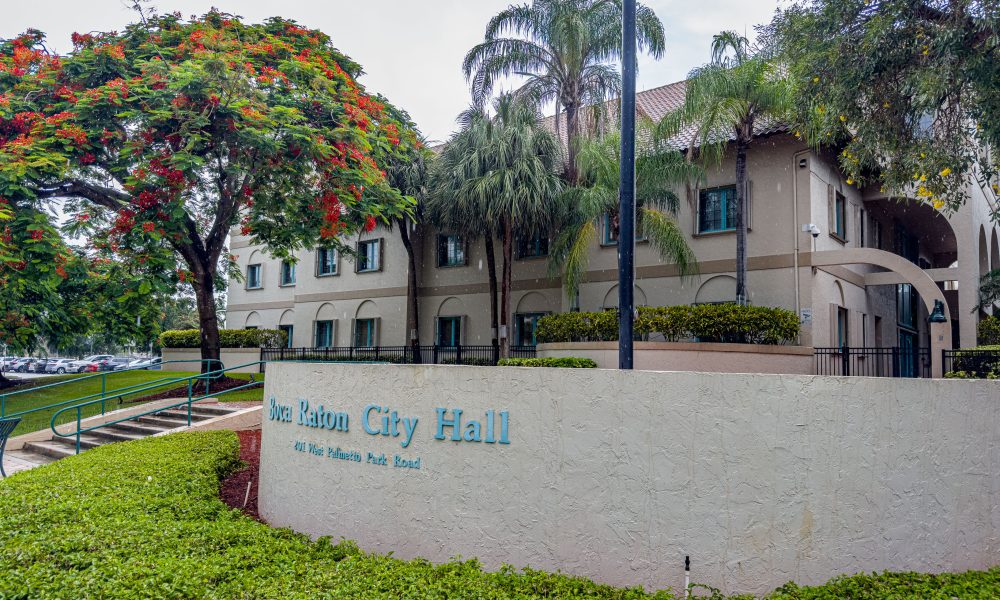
(59,366)
(79,366)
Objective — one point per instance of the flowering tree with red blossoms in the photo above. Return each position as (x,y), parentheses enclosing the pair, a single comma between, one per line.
(164,137)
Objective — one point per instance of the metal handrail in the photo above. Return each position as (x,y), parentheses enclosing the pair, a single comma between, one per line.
(190,400)
(104,384)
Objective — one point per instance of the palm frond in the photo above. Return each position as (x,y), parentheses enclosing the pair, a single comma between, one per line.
(663,233)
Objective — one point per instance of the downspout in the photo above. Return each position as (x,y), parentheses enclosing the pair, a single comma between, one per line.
(795,232)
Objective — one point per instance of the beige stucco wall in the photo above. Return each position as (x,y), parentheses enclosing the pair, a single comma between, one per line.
(686,356)
(614,475)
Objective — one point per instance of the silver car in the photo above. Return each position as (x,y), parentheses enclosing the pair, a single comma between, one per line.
(59,366)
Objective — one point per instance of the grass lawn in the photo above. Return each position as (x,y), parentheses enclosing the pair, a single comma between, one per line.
(166,534)
(83,385)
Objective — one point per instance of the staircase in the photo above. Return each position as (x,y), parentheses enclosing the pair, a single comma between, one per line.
(57,447)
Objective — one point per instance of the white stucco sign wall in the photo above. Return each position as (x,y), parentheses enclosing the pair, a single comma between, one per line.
(761,479)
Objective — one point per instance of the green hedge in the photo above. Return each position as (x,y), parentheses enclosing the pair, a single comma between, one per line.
(228,338)
(988,331)
(165,534)
(568,362)
(705,322)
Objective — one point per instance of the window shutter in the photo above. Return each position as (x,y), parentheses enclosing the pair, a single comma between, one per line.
(855,329)
(437,330)
(381,254)
(749,196)
(831,205)
(465,251)
(462,336)
(442,252)
(354,332)
(833,325)
(376,334)
(357,264)
(316,263)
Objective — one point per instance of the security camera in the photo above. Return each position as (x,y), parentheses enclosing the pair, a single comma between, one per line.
(811,229)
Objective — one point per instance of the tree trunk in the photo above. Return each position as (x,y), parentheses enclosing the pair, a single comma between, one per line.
(204,293)
(741,221)
(491,266)
(508,254)
(412,304)
(572,142)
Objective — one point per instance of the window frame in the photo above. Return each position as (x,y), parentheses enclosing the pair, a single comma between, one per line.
(443,246)
(838,229)
(372,332)
(380,244)
(729,199)
(286,274)
(519,327)
(456,330)
(536,242)
(259,269)
(335,263)
(290,332)
(330,339)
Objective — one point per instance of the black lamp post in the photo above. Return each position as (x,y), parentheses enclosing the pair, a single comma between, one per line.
(626,192)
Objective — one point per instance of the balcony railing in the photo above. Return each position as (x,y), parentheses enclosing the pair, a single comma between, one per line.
(435,355)
(874,362)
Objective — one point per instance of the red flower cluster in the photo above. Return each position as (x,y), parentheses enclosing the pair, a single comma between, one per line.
(36,234)
(148,226)
(74,133)
(88,159)
(369,223)
(82,39)
(392,134)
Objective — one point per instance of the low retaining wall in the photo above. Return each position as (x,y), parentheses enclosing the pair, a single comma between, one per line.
(231,357)
(690,356)
(617,476)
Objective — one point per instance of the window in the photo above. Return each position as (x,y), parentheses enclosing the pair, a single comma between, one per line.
(324,334)
(326,262)
(250,327)
(289,330)
(253,277)
(717,210)
(450,251)
(839,229)
(906,305)
(873,233)
(369,256)
(526,328)
(287,273)
(364,333)
(842,333)
(449,331)
(533,247)
(609,236)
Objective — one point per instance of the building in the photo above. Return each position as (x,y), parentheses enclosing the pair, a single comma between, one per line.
(867,278)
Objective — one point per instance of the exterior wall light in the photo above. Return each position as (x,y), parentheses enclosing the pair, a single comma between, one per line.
(937,315)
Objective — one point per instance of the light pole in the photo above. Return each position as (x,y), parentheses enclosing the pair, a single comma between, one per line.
(626,192)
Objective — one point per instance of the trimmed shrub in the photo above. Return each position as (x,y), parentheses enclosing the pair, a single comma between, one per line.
(470,362)
(566,362)
(228,338)
(988,331)
(730,323)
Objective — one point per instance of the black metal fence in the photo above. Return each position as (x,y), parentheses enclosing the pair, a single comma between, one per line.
(980,364)
(435,355)
(874,362)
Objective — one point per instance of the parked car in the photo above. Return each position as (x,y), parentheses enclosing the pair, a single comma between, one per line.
(7,362)
(22,365)
(120,363)
(148,364)
(59,366)
(84,366)
(39,365)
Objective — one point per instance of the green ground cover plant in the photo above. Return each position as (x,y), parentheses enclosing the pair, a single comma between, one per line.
(567,362)
(144,520)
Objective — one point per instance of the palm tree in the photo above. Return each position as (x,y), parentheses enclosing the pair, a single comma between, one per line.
(453,206)
(500,173)
(566,49)
(740,89)
(585,207)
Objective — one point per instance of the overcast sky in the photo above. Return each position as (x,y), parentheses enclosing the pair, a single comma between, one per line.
(411,50)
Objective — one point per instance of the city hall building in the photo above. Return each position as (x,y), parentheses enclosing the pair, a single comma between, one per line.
(864,274)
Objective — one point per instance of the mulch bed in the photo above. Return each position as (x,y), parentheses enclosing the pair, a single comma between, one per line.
(218,385)
(234,488)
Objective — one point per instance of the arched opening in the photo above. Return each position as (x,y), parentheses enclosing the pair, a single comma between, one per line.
(716,290)
(611,298)
(253,321)
(366,326)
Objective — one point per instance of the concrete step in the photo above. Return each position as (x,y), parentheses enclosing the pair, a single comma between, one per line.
(109,435)
(135,428)
(87,441)
(166,422)
(215,411)
(181,413)
(50,448)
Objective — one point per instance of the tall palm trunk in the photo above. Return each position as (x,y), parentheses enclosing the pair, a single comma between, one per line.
(508,255)
(491,267)
(412,303)
(741,220)
(572,141)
